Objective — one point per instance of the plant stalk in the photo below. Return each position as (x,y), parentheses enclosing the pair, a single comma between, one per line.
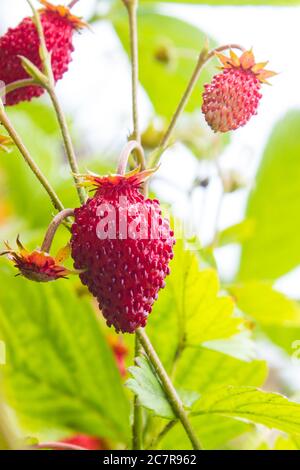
(67,142)
(169,389)
(5,121)
(137,426)
(132,6)
(131,146)
(204,57)
(72,4)
(49,85)
(52,229)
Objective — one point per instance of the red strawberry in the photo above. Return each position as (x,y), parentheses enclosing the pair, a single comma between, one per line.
(59,25)
(233,96)
(85,441)
(123,245)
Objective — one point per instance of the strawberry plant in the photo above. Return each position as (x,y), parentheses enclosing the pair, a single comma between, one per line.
(118,331)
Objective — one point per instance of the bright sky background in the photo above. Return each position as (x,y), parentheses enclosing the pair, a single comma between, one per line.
(97,93)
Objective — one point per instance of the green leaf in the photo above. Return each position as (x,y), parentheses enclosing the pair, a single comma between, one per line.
(240,346)
(190,306)
(237,233)
(270,409)
(60,372)
(274,205)
(265,304)
(179,44)
(214,433)
(147,386)
(287,443)
(203,370)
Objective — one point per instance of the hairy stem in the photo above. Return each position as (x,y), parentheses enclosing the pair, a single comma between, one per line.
(5,121)
(137,426)
(16,85)
(67,142)
(72,4)
(132,6)
(169,389)
(131,146)
(50,87)
(162,434)
(204,57)
(52,229)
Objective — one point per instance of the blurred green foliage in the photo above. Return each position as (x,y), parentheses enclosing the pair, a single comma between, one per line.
(61,376)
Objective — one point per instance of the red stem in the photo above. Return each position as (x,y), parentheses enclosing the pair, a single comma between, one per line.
(71,4)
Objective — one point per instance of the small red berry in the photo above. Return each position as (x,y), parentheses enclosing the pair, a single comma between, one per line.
(59,25)
(233,96)
(85,441)
(123,245)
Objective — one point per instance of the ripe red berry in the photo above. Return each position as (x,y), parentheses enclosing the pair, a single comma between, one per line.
(123,244)
(85,441)
(233,96)
(59,25)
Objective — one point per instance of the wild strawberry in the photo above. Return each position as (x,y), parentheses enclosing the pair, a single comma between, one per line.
(37,265)
(123,246)
(59,25)
(85,441)
(233,96)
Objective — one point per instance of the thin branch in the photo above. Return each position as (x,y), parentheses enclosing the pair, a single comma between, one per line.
(68,143)
(169,389)
(72,4)
(137,425)
(50,87)
(204,57)
(29,160)
(16,85)
(162,434)
(52,229)
(131,146)
(132,6)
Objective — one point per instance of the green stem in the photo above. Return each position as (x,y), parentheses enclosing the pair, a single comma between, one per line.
(72,4)
(29,160)
(131,146)
(52,229)
(204,57)
(137,426)
(16,85)
(67,142)
(169,389)
(49,85)
(132,6)
(162,434)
